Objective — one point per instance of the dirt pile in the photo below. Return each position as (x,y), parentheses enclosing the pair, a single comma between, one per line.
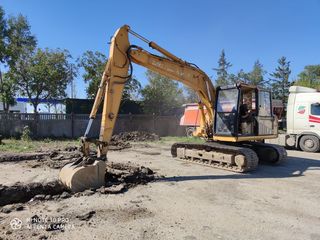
(135,136)
(127,174)
(117,144)
(119,178)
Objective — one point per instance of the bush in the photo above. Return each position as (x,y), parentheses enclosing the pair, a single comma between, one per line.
(26,134)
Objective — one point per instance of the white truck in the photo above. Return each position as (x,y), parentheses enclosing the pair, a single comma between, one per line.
(303,120)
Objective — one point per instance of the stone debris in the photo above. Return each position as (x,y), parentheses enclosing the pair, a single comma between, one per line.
(43,237)
(10,208)
(48,197)
(114,189)
(65,195)
(86,216)
(6,210)
(38,197)
(71,148)
(19,207)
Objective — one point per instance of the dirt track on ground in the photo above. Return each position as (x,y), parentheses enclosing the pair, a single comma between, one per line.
(184,202)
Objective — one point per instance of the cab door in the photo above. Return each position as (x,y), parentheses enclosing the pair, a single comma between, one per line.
(265,118)
(226,114)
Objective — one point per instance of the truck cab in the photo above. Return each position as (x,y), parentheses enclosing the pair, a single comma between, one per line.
(303,118)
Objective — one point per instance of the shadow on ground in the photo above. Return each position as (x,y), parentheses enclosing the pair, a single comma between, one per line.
(292,167)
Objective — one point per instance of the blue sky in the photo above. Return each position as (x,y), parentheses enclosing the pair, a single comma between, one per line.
(196,31)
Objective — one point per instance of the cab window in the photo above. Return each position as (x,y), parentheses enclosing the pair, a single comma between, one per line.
(227,107)
(315,109)
(264,104)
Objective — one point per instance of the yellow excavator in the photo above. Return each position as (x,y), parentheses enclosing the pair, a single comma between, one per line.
(235,119)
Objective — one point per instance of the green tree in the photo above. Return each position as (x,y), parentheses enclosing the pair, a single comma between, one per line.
(309,77)
(161,94)
(280,80)
(242,76)
(94,64)
(131,90)
(222,70)
(3,34)
(233,78)
(15,38)
(8,91)
(20,39)
(256,76)
(44,74)
(190,95)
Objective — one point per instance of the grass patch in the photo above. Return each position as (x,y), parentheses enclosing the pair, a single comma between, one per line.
(182,139)
(20,146)
(12,145)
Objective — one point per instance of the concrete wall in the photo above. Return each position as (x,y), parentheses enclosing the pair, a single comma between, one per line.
(73,126)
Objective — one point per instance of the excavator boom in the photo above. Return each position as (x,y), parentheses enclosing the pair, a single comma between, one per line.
(116,74)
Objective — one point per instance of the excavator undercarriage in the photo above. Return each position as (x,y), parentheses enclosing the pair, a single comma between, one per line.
(241,158)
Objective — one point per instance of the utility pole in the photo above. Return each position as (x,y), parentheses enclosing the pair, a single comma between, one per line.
(72,97)
(73,86)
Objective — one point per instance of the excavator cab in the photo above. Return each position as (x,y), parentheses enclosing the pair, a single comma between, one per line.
(243,112)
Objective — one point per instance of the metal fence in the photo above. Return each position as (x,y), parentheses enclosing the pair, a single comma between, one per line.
(74,125)
(32,116)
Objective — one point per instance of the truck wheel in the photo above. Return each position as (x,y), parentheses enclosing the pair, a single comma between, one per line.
(309,143)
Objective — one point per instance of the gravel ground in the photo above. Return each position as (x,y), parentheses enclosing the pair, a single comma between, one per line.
(187,201)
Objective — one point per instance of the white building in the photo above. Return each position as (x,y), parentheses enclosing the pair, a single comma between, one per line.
(19,107)
(45,106)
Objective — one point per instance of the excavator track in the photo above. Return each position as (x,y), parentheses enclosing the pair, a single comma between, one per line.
(217,155)
(268,153)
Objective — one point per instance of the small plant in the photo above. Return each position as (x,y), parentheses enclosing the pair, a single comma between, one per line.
(26,134)
(47,140)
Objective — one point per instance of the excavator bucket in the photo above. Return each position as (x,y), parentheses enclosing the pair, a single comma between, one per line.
(78,177)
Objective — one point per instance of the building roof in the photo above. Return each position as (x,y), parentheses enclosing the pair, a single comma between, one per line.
(52,101)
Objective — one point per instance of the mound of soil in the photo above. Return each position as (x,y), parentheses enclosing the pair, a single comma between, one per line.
(136,136)
(117,144)
(127,174)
